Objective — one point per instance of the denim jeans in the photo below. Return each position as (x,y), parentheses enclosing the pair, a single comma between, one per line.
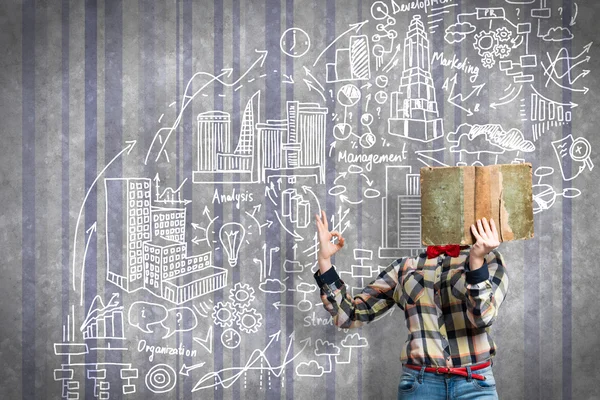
(416,385)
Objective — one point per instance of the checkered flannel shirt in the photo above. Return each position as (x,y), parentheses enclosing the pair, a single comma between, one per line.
(448,308)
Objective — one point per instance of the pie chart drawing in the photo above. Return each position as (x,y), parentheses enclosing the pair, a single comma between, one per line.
(348,95)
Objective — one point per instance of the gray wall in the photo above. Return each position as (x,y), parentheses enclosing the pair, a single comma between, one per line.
(82,80)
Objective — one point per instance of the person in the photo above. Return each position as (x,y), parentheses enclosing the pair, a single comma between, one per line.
(450,296)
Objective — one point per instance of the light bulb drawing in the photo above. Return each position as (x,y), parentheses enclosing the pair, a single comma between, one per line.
(231,236)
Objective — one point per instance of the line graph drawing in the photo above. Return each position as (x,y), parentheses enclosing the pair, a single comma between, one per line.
(104,321)
(573,71)
(414,114)
(228,376)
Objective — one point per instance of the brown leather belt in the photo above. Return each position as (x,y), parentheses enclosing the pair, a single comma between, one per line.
(454,371)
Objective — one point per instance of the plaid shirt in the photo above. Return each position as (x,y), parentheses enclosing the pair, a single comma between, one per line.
(448,308)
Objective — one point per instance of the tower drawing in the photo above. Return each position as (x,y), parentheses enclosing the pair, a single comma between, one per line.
(414,111)
(214,137)
(127,204)
(401,214)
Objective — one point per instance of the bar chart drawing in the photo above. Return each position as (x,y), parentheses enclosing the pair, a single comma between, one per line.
(104,321)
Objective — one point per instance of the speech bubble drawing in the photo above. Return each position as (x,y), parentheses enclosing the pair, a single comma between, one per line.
(179,319)
(143,314)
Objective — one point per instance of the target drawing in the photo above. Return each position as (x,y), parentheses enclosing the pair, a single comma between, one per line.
(161,378)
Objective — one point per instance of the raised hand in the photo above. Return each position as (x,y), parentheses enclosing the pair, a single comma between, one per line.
(327,248)
(486,236)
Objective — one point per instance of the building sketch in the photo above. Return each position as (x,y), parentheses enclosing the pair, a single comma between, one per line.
(400,214)
(414,110)
(296,145)
(213,141)
(127,204)
(157,255)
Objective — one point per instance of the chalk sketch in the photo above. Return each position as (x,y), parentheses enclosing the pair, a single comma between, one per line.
(294,42)
(546,113)
(414,114)
(544,195)
(104,321)
(284,160)
(256,361)
(161,378)
(575,151)
(573,70)
(400,213)
(153,263)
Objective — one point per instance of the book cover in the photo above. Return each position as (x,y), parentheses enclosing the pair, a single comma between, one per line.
(453,198)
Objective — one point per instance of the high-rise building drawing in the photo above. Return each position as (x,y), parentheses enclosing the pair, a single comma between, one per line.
(311,136)
(294,146)
(214,137)
(272,134)
(127,204)
(414,111)
(155,263)
(401,214)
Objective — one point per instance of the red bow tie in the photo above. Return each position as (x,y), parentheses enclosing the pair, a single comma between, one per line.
(453,250)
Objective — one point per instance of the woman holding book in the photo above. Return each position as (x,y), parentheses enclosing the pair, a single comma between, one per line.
(450,296)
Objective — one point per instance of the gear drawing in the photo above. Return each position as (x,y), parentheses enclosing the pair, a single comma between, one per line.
(224,314)
(249,320)
(241,295)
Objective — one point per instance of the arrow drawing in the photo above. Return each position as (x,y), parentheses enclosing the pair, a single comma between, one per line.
(128,148)
(90,231)
(186,99)
(185,369)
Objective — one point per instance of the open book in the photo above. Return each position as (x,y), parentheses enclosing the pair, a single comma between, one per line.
(453,198)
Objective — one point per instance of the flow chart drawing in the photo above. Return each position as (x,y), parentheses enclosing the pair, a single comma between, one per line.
(414,110)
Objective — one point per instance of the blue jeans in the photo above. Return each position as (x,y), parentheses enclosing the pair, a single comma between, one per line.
(416,385)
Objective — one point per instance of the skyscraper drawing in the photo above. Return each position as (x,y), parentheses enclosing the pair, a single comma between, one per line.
(127,199)
(414,112)
(213,137)
(401,213)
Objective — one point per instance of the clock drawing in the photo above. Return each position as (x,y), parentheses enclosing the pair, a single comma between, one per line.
(230,338)
(294,42)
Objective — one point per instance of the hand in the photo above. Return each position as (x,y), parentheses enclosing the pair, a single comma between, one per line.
(486,236)
(326,248)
